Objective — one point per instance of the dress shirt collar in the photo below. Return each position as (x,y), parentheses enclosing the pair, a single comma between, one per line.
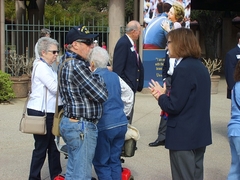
(130,40)
(178,61)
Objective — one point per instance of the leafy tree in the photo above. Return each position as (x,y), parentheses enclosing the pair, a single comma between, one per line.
(101,5)
(74,11)
(9,9)
(129,6)
(55,13)
(210,23)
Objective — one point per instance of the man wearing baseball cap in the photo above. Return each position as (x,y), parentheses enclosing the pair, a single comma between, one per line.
(82,94)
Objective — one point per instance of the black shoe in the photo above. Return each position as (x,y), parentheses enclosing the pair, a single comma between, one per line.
(93,178)
(157,143)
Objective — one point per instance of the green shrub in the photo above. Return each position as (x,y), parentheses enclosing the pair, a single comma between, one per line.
(6,91)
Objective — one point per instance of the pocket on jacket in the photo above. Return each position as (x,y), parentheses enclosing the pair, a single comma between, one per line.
(172,123)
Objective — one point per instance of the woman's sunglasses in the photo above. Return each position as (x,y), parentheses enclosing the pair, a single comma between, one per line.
(54,52)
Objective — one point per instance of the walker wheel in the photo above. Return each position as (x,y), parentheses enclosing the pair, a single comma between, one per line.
(131,178)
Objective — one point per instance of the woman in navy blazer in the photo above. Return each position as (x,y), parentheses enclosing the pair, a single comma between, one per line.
(188,105)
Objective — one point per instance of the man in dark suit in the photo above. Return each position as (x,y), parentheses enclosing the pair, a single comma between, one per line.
(231,60)
(126,60)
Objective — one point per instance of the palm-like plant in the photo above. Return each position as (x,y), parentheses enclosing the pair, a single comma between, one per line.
(212,65)
(18,65)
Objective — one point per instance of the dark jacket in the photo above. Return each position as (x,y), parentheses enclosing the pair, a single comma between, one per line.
(188,106)
(165,67)
(230,64)
(125,64)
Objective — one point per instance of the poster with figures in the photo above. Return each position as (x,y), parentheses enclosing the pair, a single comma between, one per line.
(160,17)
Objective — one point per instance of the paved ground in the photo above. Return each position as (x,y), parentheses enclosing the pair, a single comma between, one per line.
(148,163)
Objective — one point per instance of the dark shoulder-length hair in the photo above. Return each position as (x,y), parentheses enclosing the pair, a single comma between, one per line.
(184,43)
(237,72)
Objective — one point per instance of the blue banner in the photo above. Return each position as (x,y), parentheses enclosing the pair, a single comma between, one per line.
(153,61)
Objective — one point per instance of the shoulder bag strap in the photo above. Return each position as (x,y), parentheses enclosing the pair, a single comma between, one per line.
(46,103)
(60,69)
(25,105)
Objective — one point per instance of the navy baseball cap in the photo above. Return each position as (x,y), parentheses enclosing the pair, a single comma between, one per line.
(79,32)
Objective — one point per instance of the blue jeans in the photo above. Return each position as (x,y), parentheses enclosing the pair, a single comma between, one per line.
(107,163)
(234,172)
(81,140)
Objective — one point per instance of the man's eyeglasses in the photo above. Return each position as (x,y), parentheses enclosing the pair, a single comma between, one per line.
(54,52)
(88,42)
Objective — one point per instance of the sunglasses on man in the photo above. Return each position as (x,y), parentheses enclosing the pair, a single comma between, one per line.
(88,42)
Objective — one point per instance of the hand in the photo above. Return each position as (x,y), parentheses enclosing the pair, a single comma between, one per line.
(166,26)
(156,89)
(92,66)
(109,68)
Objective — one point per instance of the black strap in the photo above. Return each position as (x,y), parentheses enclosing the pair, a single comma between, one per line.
(59,71)
(28,97)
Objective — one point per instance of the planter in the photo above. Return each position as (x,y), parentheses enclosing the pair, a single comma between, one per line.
(20,86)
(214,84)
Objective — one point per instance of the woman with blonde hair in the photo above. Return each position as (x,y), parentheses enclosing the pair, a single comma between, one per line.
(176,15)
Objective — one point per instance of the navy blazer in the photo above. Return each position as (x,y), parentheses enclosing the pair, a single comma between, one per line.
(188,106)
(126,65)
(230,64)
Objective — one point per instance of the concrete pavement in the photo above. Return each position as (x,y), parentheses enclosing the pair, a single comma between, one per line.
(147,163)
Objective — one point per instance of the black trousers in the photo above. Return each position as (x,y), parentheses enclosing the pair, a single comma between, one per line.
(163,123)
(187,165)
(162,129)
(44,144)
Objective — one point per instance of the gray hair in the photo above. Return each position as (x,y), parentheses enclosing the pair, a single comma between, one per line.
(132,25)
(44,43)
(44,32)
(99,57)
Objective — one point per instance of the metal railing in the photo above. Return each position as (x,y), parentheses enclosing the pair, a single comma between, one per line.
(20,39)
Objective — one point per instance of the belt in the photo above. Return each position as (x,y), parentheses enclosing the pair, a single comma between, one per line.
(76,119)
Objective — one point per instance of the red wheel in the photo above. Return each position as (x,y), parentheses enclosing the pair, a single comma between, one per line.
(126,174)
(59,177)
